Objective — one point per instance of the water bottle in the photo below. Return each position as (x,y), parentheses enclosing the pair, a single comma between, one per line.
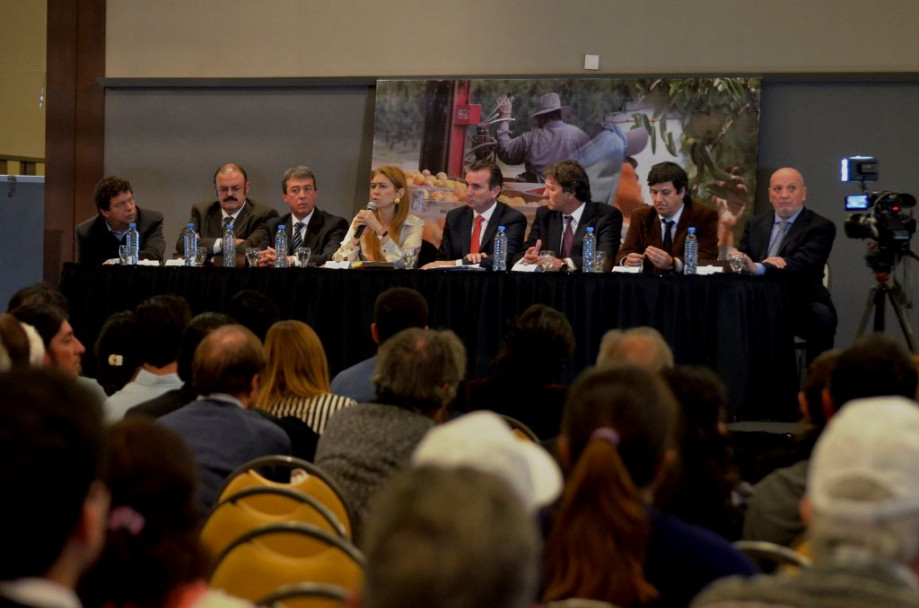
(500,253)
(190,244)
(132,245)
(280,247)
(229,247)
(690,253)
(588,247)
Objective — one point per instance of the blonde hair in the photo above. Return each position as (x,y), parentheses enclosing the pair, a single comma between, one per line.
(296,364)
(370,244)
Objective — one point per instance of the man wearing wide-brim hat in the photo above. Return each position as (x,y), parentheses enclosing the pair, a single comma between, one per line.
(552,140)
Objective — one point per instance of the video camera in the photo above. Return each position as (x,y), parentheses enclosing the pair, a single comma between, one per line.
(880,215)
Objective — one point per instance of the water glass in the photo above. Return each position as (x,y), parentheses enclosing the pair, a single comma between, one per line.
(303,256)
(202,257)
(599,261)
(122,254)
(410,257)
(736,261)
(252,256)
(545,261)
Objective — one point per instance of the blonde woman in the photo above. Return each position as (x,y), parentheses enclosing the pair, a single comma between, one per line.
(296,378)
(389,228)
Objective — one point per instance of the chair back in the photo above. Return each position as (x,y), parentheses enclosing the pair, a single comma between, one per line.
(305,595)
(768,556)
(521,430)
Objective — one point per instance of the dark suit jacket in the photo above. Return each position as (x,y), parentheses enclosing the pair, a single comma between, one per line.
(95,244)
(645,230)
(323,234)
(251,225)
(806,249)
(548,225)
(458,232)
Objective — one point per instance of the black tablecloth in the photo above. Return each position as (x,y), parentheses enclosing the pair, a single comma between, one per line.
(733,324)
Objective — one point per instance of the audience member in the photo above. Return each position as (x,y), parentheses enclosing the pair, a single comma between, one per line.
(395,309)
(616,442)
(232,206)
(450,538)
(527,383)
(862,505)
(63,351)
(152,557)
(415,378)
(15,341)
(55,505)
(643,347)
(220,427)
(199,327)
(116,353)
(99,237)
(253,310)
(305,225)
(296,378)
(160,322)
(38,293)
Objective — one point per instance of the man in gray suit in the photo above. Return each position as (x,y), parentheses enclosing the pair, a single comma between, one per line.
(249,219)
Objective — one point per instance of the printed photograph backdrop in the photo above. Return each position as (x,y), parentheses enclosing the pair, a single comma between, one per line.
(433,128)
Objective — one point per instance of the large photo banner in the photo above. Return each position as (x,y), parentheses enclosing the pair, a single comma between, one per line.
(616,128)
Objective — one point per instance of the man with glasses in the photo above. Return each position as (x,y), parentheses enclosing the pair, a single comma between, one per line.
(98,238)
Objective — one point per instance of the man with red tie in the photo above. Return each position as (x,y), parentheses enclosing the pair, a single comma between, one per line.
(469,232)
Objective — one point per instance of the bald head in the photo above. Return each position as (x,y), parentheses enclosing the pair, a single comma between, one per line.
(787,192)
(228,361)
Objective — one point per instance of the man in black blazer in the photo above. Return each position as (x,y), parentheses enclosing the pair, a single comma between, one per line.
(99,237)
(795,242)
(320,231)
(249,218)
(568,194)
(461,242)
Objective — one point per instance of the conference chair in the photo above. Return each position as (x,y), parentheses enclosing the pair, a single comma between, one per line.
(315,482)
(261,505)
(521,430)
(305,595)
(768,556)
(251,569)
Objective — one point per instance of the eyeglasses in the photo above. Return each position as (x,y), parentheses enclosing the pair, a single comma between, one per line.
(123,204)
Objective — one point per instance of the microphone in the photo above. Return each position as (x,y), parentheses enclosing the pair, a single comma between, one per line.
(371,206)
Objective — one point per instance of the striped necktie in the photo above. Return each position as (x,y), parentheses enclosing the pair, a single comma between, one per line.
(779,239)
(297,240)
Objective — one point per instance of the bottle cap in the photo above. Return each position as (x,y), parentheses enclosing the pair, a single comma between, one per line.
(132,225)
(229,226)
(590,230)
(282,226)
(501,229)
(191,225)
(692,230)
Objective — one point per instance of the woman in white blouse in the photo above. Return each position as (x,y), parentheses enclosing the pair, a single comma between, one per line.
(389,228)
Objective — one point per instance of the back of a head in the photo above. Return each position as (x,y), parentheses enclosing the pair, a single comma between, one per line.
(254,310)
(875,365)
(152,544)
(160,322)
(399,308)
(456,538)
(816,379)
(115,351)
(420,369)
(14,342)
(296,364)
(702,397)
(51,450)
(644,347)
(539,344)
(226,361)
(39,293)
(45,318)
(200,326)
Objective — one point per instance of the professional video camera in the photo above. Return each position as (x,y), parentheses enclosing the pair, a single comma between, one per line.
(880,216)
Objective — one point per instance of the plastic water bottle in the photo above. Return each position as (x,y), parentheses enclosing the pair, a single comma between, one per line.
(132,245)
(280,247)
(229,247)
(190,244)
(588,247)
(500,253)
(690,252)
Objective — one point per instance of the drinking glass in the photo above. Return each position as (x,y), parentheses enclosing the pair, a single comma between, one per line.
(202,257)
(545,259)
(735,260)
(410,257)
(303,256)
(122,254)
(252,255)
(599,261)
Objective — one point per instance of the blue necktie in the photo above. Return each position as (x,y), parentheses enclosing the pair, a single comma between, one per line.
(297,240)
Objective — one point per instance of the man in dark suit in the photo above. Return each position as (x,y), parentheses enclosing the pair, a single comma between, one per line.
(306,225)
(55,525)
(98,238)
(647,243)
(793,241)
(560,225)
(467,239)
(221,428)
(249,219)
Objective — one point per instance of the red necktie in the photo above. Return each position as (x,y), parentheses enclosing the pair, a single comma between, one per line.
(476,235)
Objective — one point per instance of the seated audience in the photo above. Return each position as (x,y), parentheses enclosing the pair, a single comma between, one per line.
(388,228)
(55,506)
(644,347)
(449,538)
(608,542)
(296,378)
(220,428)
(862,507)
(152,556)
(527,383)
(115,351)
(415,379)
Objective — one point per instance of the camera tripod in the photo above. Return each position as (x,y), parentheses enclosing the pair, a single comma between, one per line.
(886,288)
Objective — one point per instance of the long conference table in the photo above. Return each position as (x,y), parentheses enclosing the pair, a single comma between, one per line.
(736,325)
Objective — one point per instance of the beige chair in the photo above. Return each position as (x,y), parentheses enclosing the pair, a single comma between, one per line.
(306,595)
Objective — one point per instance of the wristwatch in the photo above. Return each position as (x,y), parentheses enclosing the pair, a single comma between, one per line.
(382,235)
